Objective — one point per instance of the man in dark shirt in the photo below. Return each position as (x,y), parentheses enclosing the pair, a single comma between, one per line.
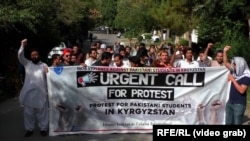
(240,81)
(105,60)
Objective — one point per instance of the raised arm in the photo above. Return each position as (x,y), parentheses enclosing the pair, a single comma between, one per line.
(172,59)
(20,54)
(161,45)
(225,60)
(209,46)
(205,58)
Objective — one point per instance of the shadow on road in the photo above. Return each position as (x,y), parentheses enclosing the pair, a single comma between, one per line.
(12,128)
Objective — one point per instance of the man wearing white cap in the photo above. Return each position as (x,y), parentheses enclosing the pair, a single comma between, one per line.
(102,49)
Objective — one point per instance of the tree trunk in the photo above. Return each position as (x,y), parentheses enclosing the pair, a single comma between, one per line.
(249,28)
(107,30)
(168,33)
(189,38)
(161,37)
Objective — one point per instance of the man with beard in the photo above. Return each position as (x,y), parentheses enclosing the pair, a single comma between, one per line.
(34,96)
(218,62)
(105,60)
(188,62)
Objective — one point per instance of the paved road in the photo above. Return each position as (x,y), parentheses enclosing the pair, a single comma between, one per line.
(12,128)
(108,39)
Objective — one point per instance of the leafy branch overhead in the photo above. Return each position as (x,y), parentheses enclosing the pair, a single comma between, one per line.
(39,12)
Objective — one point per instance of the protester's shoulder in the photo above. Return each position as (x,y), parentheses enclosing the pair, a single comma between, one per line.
(126,66)
(246,80)
(180,60)
(214,63)
(81,53)
(87,60)
(195,62)
(44,64)
(97,63)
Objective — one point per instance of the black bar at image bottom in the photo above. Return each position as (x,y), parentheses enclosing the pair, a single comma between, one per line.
(199,132)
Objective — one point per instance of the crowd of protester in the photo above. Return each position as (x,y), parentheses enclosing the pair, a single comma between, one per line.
(33,95)
(121,55)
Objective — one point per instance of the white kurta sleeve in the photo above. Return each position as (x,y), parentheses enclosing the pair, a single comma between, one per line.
(21,56)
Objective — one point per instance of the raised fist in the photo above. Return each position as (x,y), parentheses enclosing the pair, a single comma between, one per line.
(24,42)
(210,45)
(226,48)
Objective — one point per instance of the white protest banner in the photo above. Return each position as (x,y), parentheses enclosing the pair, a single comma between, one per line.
(98,100)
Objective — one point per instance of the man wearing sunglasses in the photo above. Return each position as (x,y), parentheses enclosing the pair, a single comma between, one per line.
(66,57)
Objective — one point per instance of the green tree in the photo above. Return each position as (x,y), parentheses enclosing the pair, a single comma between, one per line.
(245,9)
(224,23)
(44,22)
(177,16)
(108,10)
(134,16)
(159,12)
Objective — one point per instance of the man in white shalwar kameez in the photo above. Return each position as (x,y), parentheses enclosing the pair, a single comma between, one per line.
(34,96)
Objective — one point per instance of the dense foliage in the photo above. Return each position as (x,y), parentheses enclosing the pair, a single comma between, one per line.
(44,23)
(225,22)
